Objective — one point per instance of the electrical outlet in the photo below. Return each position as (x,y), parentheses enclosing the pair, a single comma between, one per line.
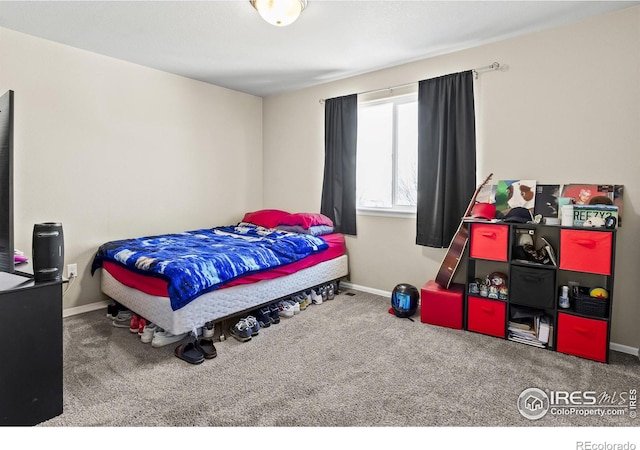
(72,270)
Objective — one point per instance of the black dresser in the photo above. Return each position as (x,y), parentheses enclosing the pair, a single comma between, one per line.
(31,355)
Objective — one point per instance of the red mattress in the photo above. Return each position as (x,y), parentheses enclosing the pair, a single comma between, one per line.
(158,287)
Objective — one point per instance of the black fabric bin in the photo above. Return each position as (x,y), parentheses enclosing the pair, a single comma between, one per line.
(533,287)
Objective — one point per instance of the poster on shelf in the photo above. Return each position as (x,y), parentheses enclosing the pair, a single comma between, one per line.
(547,196)
(515,193)
(595,194)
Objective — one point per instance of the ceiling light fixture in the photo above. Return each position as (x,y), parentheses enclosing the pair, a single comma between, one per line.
(279,12)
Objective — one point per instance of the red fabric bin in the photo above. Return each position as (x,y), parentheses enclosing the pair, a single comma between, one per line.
(489,241)
(443,307)
(586,251)
(582,337)
(486,316)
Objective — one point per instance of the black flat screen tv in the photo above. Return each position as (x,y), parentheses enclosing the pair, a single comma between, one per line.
(6,183)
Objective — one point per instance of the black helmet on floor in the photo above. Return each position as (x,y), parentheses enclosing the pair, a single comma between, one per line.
(404,300)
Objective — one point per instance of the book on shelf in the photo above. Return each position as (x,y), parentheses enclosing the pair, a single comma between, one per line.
(529,326)
(523,334)
(543,334)
(532,342)
(519,325)
(543,330)
(522,323)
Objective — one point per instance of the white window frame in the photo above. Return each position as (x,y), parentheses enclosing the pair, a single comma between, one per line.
(396,210)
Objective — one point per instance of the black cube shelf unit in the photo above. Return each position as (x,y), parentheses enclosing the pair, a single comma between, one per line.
(584,256)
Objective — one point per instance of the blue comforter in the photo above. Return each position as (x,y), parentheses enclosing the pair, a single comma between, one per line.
(195,262)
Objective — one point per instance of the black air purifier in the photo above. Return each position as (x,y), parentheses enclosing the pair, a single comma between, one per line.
(48,251)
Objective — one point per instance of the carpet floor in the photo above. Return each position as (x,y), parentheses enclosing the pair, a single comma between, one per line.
(344,363)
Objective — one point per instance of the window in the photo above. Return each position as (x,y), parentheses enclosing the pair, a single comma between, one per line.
(387,158)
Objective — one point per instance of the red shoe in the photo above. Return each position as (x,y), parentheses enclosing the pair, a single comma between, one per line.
(141,324)
(134,325)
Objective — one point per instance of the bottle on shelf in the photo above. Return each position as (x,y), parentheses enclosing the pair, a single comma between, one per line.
(564,297)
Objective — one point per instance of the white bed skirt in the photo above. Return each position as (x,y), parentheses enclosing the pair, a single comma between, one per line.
(221,303)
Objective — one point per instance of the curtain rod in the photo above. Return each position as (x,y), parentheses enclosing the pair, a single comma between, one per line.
(490,67)
(494,66)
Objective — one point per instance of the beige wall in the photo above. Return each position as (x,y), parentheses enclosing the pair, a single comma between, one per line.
(113,150)
(567,109)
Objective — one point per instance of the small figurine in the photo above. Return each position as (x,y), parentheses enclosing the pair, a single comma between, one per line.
(474,286)
(496,281)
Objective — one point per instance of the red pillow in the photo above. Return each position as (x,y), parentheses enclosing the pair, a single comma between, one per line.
(306,220)
(269,218)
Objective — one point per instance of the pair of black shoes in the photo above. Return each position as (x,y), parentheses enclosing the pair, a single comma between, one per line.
(267,315)
(114,308)
(195,351)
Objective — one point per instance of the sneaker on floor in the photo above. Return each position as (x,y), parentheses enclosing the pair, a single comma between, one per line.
(307,297)
(156,331)
(300,301)
(241,331)
(162,338)
(113,309)
(148,332)
(296,306)
(331,293)
(315,298)
(134,323)
(264,317)
(285,309)
(274,312)
(304,301)
(209,330)
(142,322)
(325,293)
(253,325)
(123,319)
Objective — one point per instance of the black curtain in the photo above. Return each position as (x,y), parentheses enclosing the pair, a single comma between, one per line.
(340,140)
(446,156)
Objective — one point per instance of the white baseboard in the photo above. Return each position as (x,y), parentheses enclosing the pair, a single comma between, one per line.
(84,308)
(612,345)
(623,348)
(366,289)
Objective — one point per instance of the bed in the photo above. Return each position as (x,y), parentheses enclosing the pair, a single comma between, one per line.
(147,274)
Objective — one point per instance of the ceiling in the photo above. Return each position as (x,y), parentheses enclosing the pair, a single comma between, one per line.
(226,43)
